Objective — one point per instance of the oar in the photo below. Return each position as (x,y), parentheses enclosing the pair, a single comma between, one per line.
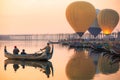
(39,51)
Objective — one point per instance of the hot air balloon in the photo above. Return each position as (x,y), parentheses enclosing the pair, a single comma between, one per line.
(80,15)
(105,67)
(80,67)
(108,19)
(94,29)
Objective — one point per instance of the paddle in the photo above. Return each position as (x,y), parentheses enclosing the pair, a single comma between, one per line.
(39,51)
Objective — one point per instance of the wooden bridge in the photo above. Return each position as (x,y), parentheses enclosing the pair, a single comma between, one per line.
(54,37)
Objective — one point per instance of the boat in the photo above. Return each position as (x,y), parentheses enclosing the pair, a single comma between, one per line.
(116,48)
(44,66)
(78,45)
(54,42)
(29,56)
(95,48)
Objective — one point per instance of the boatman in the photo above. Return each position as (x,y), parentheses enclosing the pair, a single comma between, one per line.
(47,49)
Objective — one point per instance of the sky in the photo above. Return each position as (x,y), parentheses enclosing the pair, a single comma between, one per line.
(42,16)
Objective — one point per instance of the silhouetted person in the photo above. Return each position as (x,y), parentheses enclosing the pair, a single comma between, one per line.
(47,49)
(5,49)
(23,52)
(16,67)
(15,50)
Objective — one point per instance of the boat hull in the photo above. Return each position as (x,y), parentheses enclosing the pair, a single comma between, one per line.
(28,56)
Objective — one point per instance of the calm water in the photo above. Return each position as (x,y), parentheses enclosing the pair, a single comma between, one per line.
(66,64)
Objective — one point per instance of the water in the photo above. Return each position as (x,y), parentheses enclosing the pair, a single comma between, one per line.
(67,64)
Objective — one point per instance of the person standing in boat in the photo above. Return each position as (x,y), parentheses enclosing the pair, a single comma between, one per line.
(15,50)
(47,49)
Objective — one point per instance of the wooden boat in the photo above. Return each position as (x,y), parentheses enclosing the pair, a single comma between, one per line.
(54,42)
(116,49)
(33,56)
(44,66)
(99,49)
(78,45)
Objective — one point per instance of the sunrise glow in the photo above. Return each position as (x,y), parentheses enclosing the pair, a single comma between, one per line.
(42,16)
(106,31)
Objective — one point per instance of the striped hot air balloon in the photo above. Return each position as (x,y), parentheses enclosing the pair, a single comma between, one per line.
(80,15)
(108,19)
(94,29)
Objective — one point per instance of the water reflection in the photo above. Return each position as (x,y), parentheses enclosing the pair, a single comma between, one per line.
(104,62)
(44,66)
(80,67)
(95,57)
(105,66)
(15,67)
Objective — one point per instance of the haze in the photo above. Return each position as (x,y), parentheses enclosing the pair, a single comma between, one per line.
(42,16)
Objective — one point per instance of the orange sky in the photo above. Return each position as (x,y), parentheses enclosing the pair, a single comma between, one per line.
(41,16)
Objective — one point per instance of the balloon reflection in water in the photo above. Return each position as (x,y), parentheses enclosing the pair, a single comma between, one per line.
(44,66)
(80,15)
(80,67)
(108,19)
(105,67)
